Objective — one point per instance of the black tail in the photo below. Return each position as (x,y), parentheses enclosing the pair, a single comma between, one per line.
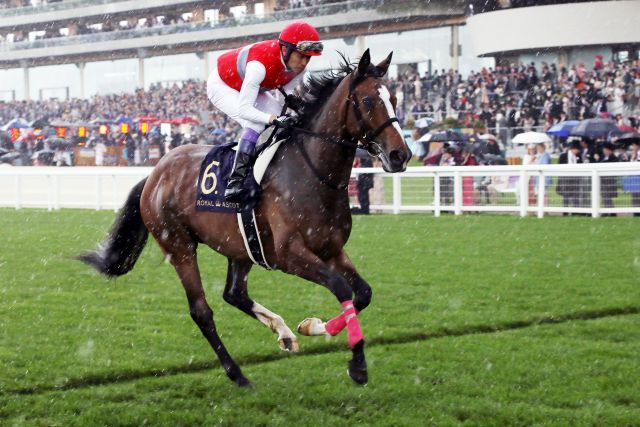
(119,252)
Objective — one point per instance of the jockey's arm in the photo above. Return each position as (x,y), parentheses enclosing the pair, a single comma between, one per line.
(254,75)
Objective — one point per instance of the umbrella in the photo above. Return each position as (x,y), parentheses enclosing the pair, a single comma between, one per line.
(492,159)
(16,124)
(39,123)
(446,136)
(531,138)
(123,119)
(60,124)
(424,122)
(148,119)
(628,138)
(58,143)
(563,129)
(45,156)
(184,121)
(596,128)
(3,151)
(9,157)
(218,131)
(101,121)
(487,137)
(5,138)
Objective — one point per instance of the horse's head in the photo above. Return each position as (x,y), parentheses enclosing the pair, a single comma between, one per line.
(371,114)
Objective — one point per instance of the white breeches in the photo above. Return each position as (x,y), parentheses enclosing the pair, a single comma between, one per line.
(227,100)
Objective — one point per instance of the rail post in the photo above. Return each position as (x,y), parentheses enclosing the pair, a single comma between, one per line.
(436,194)
(397,193)
(541,188)
(457,193)
(595,194)
(524,193)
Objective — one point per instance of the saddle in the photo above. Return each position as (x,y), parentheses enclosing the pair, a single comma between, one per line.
(214,175)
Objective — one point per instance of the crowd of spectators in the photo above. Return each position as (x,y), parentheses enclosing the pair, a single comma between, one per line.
(510,97)
(524,95)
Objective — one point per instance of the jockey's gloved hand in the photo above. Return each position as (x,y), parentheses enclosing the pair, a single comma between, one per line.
(294,102)
(284,122)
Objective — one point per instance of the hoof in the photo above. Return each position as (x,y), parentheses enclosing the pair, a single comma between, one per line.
(358,365)
(243,382)
(312,326)
(358,373)
(288,344)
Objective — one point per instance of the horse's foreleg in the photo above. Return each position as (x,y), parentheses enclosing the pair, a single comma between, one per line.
(236,294)
(362,297)
(201,313)
(301,262)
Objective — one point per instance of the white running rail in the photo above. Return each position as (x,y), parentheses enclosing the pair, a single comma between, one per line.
(594,189)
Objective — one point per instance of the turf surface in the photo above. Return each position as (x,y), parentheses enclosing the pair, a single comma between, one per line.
(479,319)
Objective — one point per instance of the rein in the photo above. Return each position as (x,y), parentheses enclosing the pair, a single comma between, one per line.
(350,143)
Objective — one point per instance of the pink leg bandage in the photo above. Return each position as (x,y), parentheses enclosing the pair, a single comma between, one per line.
(349,319)
(337,324)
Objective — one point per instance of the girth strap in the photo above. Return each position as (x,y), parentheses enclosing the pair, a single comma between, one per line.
(251,236)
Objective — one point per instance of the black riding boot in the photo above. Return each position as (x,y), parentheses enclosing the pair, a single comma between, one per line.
(241,168)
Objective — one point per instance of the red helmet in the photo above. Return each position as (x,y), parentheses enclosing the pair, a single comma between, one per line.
(301,37)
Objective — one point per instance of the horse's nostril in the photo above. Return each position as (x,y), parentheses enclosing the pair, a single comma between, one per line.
(397,157)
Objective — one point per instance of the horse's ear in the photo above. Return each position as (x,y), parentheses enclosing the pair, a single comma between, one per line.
(384,65)
(364,63)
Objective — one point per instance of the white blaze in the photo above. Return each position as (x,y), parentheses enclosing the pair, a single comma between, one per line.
(386,98)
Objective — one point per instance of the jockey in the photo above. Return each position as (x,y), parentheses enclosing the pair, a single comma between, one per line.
(240,83)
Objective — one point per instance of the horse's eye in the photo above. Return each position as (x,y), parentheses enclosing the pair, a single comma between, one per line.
(367,102)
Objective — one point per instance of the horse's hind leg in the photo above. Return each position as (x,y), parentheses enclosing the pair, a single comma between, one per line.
(236,294)
(183,257)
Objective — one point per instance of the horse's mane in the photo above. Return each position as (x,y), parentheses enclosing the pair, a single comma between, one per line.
(319,88)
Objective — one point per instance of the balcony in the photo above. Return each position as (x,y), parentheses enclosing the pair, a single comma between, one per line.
(70,10)
(337,20)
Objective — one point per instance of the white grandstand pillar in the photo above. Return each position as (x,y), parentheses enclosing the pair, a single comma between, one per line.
(360,45)
(80,66)
(455,47)
(27,87)
(207,65)
(141,55)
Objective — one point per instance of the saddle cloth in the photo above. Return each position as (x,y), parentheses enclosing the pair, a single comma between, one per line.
(212,181)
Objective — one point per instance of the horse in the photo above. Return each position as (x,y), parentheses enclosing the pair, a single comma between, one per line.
(303,212)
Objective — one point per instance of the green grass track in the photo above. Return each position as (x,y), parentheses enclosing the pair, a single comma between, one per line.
(479,319)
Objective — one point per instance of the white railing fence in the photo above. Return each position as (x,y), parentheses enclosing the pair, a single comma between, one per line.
(594,189)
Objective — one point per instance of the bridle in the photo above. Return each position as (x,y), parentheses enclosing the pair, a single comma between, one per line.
(366,140)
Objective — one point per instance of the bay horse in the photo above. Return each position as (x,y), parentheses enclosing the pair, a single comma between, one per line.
(303,212)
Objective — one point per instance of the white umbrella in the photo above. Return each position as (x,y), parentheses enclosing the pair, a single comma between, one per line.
(487,136)
(531,138)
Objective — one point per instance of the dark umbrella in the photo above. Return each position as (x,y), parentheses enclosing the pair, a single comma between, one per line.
(563,129)
(59,143)
(446,136)
(45,156)
(596,128)
(9,157)
(492,159)
(124,119)
(16,124)
(628,138)
(40,123)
